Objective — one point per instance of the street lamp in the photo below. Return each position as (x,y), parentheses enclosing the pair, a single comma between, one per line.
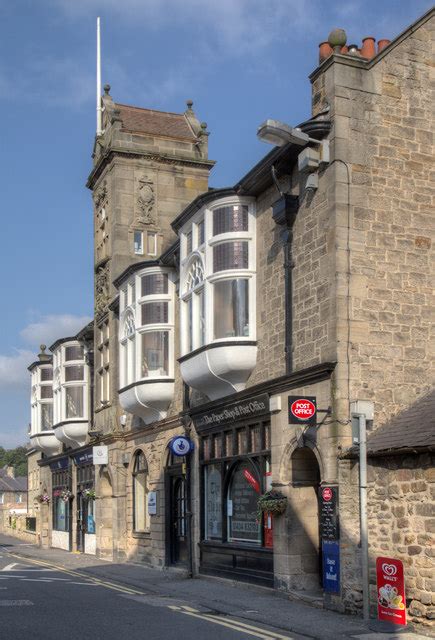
(279,133)
(309,159)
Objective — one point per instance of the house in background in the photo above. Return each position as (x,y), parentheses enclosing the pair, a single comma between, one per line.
(13,495)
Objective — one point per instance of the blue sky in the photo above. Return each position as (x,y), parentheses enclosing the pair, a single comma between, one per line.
(239,60)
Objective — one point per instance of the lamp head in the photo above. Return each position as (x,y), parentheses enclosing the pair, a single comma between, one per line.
(278,133)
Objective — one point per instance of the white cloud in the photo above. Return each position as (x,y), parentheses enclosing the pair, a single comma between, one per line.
(13,370)
(52,327)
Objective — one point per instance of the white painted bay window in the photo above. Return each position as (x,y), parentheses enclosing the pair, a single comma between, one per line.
(71,392)
(147,342)
(217,290)
(41,428)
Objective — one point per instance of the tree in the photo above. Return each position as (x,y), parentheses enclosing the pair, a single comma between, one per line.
(15,458)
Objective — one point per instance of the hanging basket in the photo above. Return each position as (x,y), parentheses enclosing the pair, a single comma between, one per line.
(273,502)
(89,494)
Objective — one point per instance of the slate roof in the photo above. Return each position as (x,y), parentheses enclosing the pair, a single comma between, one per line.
(413,428)
(12,484)
(159,123)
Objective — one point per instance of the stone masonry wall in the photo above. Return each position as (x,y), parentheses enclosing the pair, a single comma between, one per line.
(382,116)
(401,524)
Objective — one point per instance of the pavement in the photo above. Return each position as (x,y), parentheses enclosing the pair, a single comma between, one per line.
(53,594)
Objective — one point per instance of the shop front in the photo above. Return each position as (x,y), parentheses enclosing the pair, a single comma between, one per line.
(85,502)
(235,460)
(61,536)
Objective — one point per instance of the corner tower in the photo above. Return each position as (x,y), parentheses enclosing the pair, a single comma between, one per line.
(147,166)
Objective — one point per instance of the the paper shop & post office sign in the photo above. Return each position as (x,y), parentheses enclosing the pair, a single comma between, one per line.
(250,408)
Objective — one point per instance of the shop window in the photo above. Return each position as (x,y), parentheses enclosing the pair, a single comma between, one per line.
(213,502)
(140,493)
(243,492)
(61,508)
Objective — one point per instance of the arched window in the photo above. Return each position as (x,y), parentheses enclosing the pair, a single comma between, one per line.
(243,492)
(194,306)
(128,351)
(140,493)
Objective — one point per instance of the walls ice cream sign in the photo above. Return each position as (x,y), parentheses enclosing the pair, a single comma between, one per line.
(390,590)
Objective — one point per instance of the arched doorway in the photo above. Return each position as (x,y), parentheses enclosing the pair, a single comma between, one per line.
(176,495)
(303,524)
(105,519)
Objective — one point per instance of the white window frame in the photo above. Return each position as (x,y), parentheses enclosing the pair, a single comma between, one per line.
(60,385)
(205,253)
(130,365)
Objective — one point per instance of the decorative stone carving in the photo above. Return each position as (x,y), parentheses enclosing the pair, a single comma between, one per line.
(146,202)
(100,196)
(102,295)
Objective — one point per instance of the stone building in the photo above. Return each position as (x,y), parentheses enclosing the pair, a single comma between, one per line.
(225,315)
(13,496)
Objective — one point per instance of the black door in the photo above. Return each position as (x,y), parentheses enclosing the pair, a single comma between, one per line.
(178,523)
(82,516)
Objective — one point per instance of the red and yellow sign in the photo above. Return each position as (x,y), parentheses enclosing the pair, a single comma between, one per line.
(390,590)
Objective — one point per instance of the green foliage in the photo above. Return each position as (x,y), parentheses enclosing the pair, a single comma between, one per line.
(15,458)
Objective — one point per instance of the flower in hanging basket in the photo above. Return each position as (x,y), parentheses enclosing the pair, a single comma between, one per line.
(273,502)
(43,498)
(89,494)
(66,495)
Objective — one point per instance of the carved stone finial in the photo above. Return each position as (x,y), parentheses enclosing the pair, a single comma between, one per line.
(189,104)
(204,126)
(43,347)
(106,89)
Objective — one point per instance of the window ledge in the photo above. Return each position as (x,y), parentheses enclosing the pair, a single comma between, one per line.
(237,341)
(141,534)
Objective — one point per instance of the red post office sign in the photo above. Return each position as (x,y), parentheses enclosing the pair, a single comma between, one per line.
(390,590)
(302,410)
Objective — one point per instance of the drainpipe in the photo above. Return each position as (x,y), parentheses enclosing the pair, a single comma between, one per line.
(284,212)
(185,420)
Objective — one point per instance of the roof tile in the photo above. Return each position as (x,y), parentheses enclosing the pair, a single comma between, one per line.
(159,123)
(414,427)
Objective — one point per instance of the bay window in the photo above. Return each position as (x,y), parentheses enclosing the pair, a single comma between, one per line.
(218,297)
(146,341)
(70,392)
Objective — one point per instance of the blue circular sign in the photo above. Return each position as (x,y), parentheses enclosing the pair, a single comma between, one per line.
(181,446)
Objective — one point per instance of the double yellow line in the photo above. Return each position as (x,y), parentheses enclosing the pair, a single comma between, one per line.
(236,625)
(83,576)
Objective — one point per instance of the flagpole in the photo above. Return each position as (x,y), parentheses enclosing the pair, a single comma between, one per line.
(99,124)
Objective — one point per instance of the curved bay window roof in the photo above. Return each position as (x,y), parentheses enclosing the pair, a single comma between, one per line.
(41,428)
(217,291)
(146,341)
(70,392)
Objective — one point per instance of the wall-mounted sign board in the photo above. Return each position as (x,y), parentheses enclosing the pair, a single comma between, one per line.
(302,410)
